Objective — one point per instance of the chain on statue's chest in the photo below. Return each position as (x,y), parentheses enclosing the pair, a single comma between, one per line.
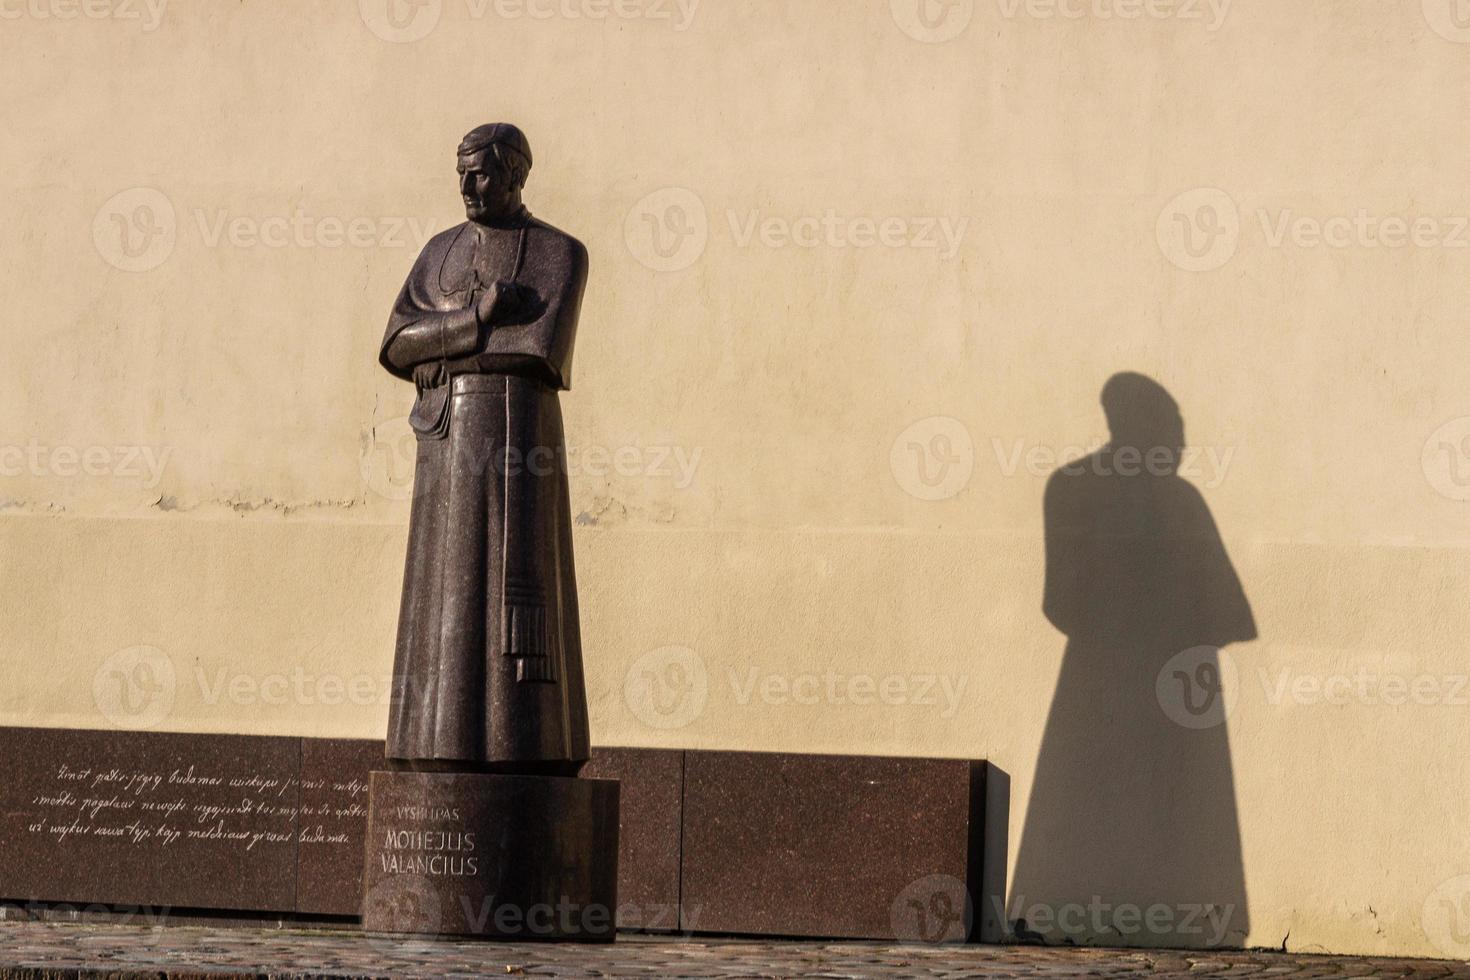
(479,258)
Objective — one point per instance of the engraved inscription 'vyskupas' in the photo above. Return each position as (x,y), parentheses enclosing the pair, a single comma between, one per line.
(426,813)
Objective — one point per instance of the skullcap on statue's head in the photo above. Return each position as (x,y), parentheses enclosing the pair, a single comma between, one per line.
(496,134)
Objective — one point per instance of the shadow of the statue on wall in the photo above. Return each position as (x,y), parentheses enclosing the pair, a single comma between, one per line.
(1131,834)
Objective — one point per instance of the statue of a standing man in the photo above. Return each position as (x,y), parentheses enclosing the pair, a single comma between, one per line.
(488,664)
(474,826)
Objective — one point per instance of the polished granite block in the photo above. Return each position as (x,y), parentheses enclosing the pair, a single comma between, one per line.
(304,852)
(505,857)
(708,841)
(648,834)
(826,845)
(149,818)
(334,800)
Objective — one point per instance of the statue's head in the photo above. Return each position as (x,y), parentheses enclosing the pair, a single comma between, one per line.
(1143,416)
(494,160)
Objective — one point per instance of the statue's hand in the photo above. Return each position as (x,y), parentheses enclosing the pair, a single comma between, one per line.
(430,374)
(502,301)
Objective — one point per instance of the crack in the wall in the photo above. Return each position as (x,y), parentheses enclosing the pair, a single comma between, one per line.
(169,504)
(31,506)
(248,505)
(606,511)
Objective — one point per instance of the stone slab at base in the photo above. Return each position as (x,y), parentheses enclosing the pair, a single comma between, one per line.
(698,838)
(853,847)
(500,857)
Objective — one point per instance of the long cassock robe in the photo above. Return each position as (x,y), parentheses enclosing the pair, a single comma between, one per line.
(488,665)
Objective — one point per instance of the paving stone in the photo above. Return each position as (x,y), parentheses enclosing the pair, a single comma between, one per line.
(30,950)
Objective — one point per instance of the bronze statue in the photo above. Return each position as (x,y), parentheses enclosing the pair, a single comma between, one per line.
(488,664)
(475,828)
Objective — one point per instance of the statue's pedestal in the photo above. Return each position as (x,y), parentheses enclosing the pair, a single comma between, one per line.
(501,857)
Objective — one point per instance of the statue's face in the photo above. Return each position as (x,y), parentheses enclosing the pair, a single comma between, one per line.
(488,189)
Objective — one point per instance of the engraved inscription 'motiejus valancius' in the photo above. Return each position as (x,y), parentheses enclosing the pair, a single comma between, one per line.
(488,663)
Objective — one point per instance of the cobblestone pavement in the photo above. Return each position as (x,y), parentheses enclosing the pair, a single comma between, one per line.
(47,949)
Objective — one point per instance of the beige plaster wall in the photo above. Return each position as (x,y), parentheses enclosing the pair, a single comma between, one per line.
(859,272)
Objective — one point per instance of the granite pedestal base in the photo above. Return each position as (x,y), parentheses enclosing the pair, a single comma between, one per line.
(494,856)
